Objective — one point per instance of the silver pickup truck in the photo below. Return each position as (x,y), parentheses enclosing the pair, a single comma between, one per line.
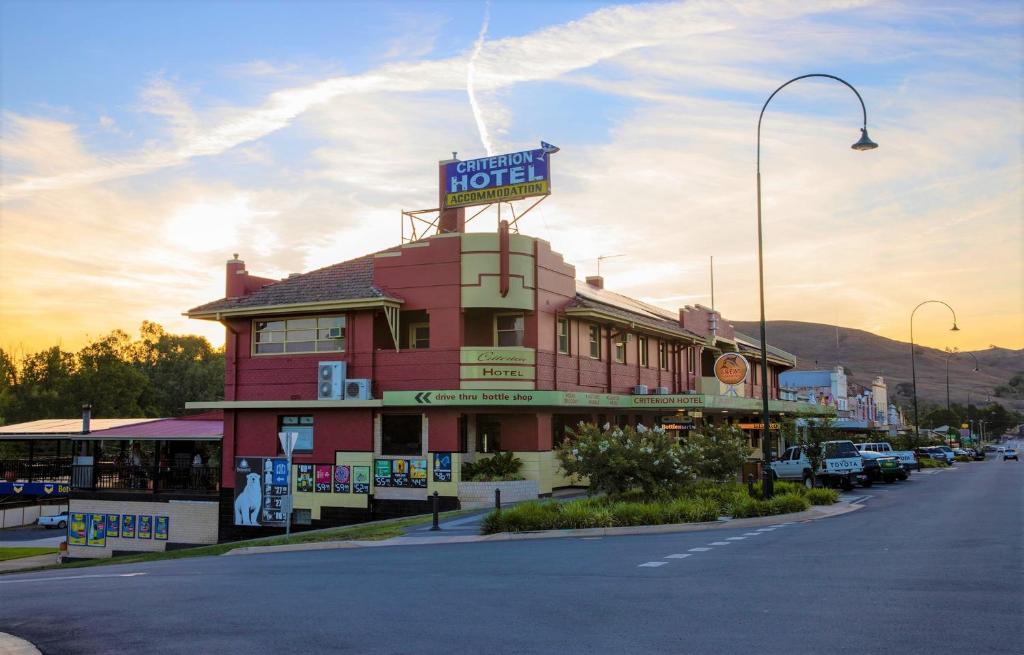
(907,457)
(843,466)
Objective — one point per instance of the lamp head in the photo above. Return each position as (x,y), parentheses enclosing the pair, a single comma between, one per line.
(954,328)
(865,142)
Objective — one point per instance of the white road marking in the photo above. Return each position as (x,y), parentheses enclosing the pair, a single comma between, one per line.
(677,556)
(699,549)
(652,564)
(765,529)
(751,534)
(735,538)
(72,577)
(719,543)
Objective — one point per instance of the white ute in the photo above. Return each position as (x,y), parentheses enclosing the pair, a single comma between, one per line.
(844,466)
(907,457)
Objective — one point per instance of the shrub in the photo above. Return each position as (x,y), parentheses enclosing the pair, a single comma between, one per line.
(716,452)
(822,496)
(617,460)
(501,466)
(962,458)
(786,503)
(928,463)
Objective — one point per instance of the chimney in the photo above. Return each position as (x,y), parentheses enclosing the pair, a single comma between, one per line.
(448,220)
(86,417)
(595,281)
(235,279)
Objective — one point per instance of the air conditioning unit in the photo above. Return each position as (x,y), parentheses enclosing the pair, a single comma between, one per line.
(334,333)
(357,389)
(330,380)
(640,390)
(661,391)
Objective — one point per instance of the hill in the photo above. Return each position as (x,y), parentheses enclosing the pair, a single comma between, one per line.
(866,355)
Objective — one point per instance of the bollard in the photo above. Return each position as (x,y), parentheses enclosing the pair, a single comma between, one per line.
(435,500)
(750,484)
(497,499)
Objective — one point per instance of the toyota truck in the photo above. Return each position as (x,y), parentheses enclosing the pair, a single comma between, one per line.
(907,457)
(843,466)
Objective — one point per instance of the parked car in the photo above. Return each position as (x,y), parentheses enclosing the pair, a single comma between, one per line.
(1010,453)
(55,521)
(907,457)
(950,455)
(933,452)
(990,448)
(884,468)
(844,466)
(979,455)
(961,451)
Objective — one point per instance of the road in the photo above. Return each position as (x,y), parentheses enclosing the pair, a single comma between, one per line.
(935,565)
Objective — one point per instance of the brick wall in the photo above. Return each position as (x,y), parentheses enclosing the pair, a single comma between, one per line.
(190,523)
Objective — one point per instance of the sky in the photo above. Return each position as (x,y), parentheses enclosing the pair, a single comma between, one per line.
(144,143)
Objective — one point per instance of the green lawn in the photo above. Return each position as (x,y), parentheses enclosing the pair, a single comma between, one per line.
(18,553)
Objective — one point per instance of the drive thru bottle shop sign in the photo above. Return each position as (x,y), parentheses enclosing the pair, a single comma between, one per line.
(500,178)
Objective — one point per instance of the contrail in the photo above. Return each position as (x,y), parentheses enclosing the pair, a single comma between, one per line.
(478,45)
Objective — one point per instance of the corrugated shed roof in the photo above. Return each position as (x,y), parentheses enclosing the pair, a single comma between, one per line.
(349,280)
(165,429)
(63,426)
(755,344)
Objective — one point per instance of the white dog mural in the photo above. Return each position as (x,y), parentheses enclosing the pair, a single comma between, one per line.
(248,503)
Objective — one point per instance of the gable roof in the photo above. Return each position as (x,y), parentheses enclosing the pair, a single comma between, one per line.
(626,309)
(351,280)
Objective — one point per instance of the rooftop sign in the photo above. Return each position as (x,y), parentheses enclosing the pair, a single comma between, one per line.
(500,178)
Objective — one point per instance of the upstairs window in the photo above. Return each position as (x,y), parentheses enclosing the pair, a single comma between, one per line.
(419,335)
(563,336)
(663,355)
(595,342)
(641,345)
(620,349)
(318,334)
(508,329)
(301,424)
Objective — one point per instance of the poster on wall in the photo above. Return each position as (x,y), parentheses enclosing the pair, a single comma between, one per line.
(342,479)
(145,526)
(76,530)
(97,530)
(127,526)
(418,473)
(400,473)
(262,491)
(360,479)
(442,467)
(382,472)
(113,525)
(323,478)
(162,527)
(304,478)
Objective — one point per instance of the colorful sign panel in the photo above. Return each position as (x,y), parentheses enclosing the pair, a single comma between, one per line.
(127,526)
(34,489)
(418,473)
(382,472)
(442,467)
(162,528)
(342,479)
(731,368)
(145,526)
(304,480)
(113,525)
(324,479)
(400,473)
(77,529)
(97,531)
(360,479)
(500,178)
(261,491)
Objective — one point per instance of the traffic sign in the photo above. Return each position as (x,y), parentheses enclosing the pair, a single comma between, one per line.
(288,440)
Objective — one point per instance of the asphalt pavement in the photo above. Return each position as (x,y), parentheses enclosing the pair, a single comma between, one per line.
(934,564)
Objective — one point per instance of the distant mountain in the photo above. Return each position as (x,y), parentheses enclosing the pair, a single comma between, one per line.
(866,355)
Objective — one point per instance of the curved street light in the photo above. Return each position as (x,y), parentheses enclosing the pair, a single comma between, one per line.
(913,367)
(864,143)
(951,353)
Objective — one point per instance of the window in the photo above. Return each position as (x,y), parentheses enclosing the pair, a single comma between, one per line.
(663,354)
(563,336)
(401,434)
(508,329)
(620,349)
(318,334)
(595,342)
(301,424)
(641,345)
(488,434)
(419,335)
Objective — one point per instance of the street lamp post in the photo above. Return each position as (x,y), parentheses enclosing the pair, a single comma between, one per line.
(864,143)
(951,353)
(913,367)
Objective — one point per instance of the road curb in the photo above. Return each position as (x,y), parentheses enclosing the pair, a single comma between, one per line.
(11,645)
(815,514)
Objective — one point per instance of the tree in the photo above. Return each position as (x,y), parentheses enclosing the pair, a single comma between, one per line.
(179,368)
(812,439)
(716,452)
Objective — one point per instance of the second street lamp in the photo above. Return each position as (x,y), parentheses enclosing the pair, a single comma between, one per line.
(913,367)
(951,353)
(864,143)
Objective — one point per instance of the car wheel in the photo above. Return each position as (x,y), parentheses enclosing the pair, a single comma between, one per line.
(808,482)
(845,484)
(62,525)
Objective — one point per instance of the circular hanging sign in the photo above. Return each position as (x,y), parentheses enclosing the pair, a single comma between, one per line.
(731,368)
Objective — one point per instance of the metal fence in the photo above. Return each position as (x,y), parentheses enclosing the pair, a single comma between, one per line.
(50,469)
(122,477)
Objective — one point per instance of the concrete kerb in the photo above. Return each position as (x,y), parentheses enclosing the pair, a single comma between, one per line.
(11,645)
(817,513)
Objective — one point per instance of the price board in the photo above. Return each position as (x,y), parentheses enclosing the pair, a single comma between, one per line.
(304,478)
(382,472)
(400,473)
(360,479)
(418,473)
(342,479)
(442,467)
(324,477)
